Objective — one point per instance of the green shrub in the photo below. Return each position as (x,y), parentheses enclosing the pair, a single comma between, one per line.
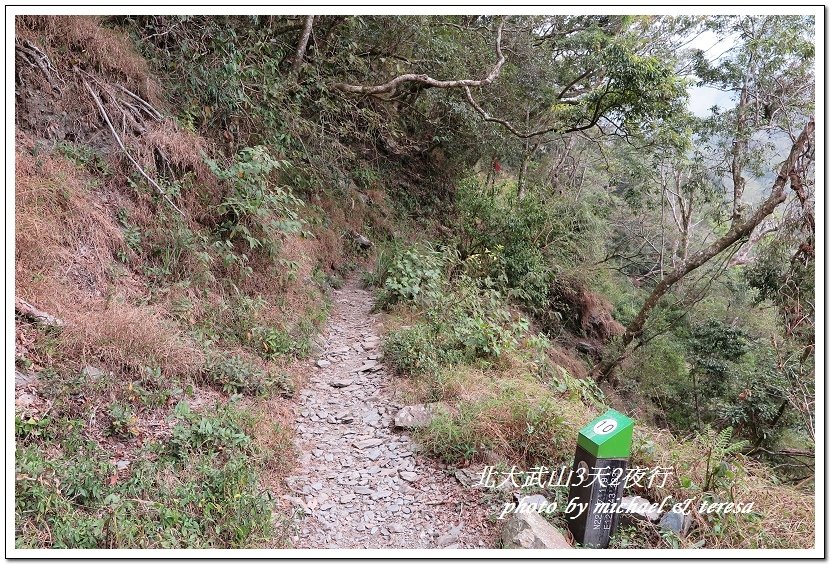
(530,241)
(254,208)
(412,276)
(476,321)
(467,324)
(412,350)
(236,375)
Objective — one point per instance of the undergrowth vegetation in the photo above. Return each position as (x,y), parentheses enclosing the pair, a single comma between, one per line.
(482,323)
(196,488)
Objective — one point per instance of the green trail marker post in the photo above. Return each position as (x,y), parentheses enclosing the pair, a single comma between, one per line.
(596,487)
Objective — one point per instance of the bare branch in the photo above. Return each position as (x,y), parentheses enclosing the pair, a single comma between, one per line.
(144,103)
(505,123)
(427,80)
(106,117)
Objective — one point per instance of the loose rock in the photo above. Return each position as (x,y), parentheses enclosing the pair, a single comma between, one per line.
(677,522)
(419,415)
(531,530)
(353,470)
(638,508)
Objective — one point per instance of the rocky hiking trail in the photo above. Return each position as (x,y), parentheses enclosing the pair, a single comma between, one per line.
(359,482)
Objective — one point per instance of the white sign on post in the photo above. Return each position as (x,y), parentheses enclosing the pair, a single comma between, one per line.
(605,426)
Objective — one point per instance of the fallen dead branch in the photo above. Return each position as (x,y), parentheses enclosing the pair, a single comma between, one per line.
(143,103)
(35,56)
(26,309)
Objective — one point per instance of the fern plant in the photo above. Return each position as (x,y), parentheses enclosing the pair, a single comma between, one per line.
(719,446)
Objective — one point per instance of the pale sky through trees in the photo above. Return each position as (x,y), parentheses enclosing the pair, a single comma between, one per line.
(702,98)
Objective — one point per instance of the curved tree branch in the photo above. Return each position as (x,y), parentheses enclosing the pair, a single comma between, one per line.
(504,122)
(391,87)
(301,46)
(526,135)
(427,80)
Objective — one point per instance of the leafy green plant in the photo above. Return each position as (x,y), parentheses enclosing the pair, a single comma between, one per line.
(236,375)
(411,351)
(84,156)
(254,208)
(585,390)
(122,421)
(219,432)
(174,249)
(153,389)
(365,177)
(240,314)
(211,500)
(84,481)
(273,342)
(718,447)
(413,275)
(132,237)
(30,427)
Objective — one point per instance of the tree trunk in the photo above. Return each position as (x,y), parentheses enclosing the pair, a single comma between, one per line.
(301,46)
(739,230)
(520,183)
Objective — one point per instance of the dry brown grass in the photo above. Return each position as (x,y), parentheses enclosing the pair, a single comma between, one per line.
(287,297)
(128,339)
(521,405)
(568,360)
(182,152)
(64,236)
(788,514)
(496,407)
(273,432)
(592,311)
(65,239)
(92,46)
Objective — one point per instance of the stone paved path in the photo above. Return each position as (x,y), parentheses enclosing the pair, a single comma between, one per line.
(358,482)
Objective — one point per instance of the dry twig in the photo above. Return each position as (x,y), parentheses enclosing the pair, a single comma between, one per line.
(106,117)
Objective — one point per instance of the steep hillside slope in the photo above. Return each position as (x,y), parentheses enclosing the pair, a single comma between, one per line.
(156,413)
